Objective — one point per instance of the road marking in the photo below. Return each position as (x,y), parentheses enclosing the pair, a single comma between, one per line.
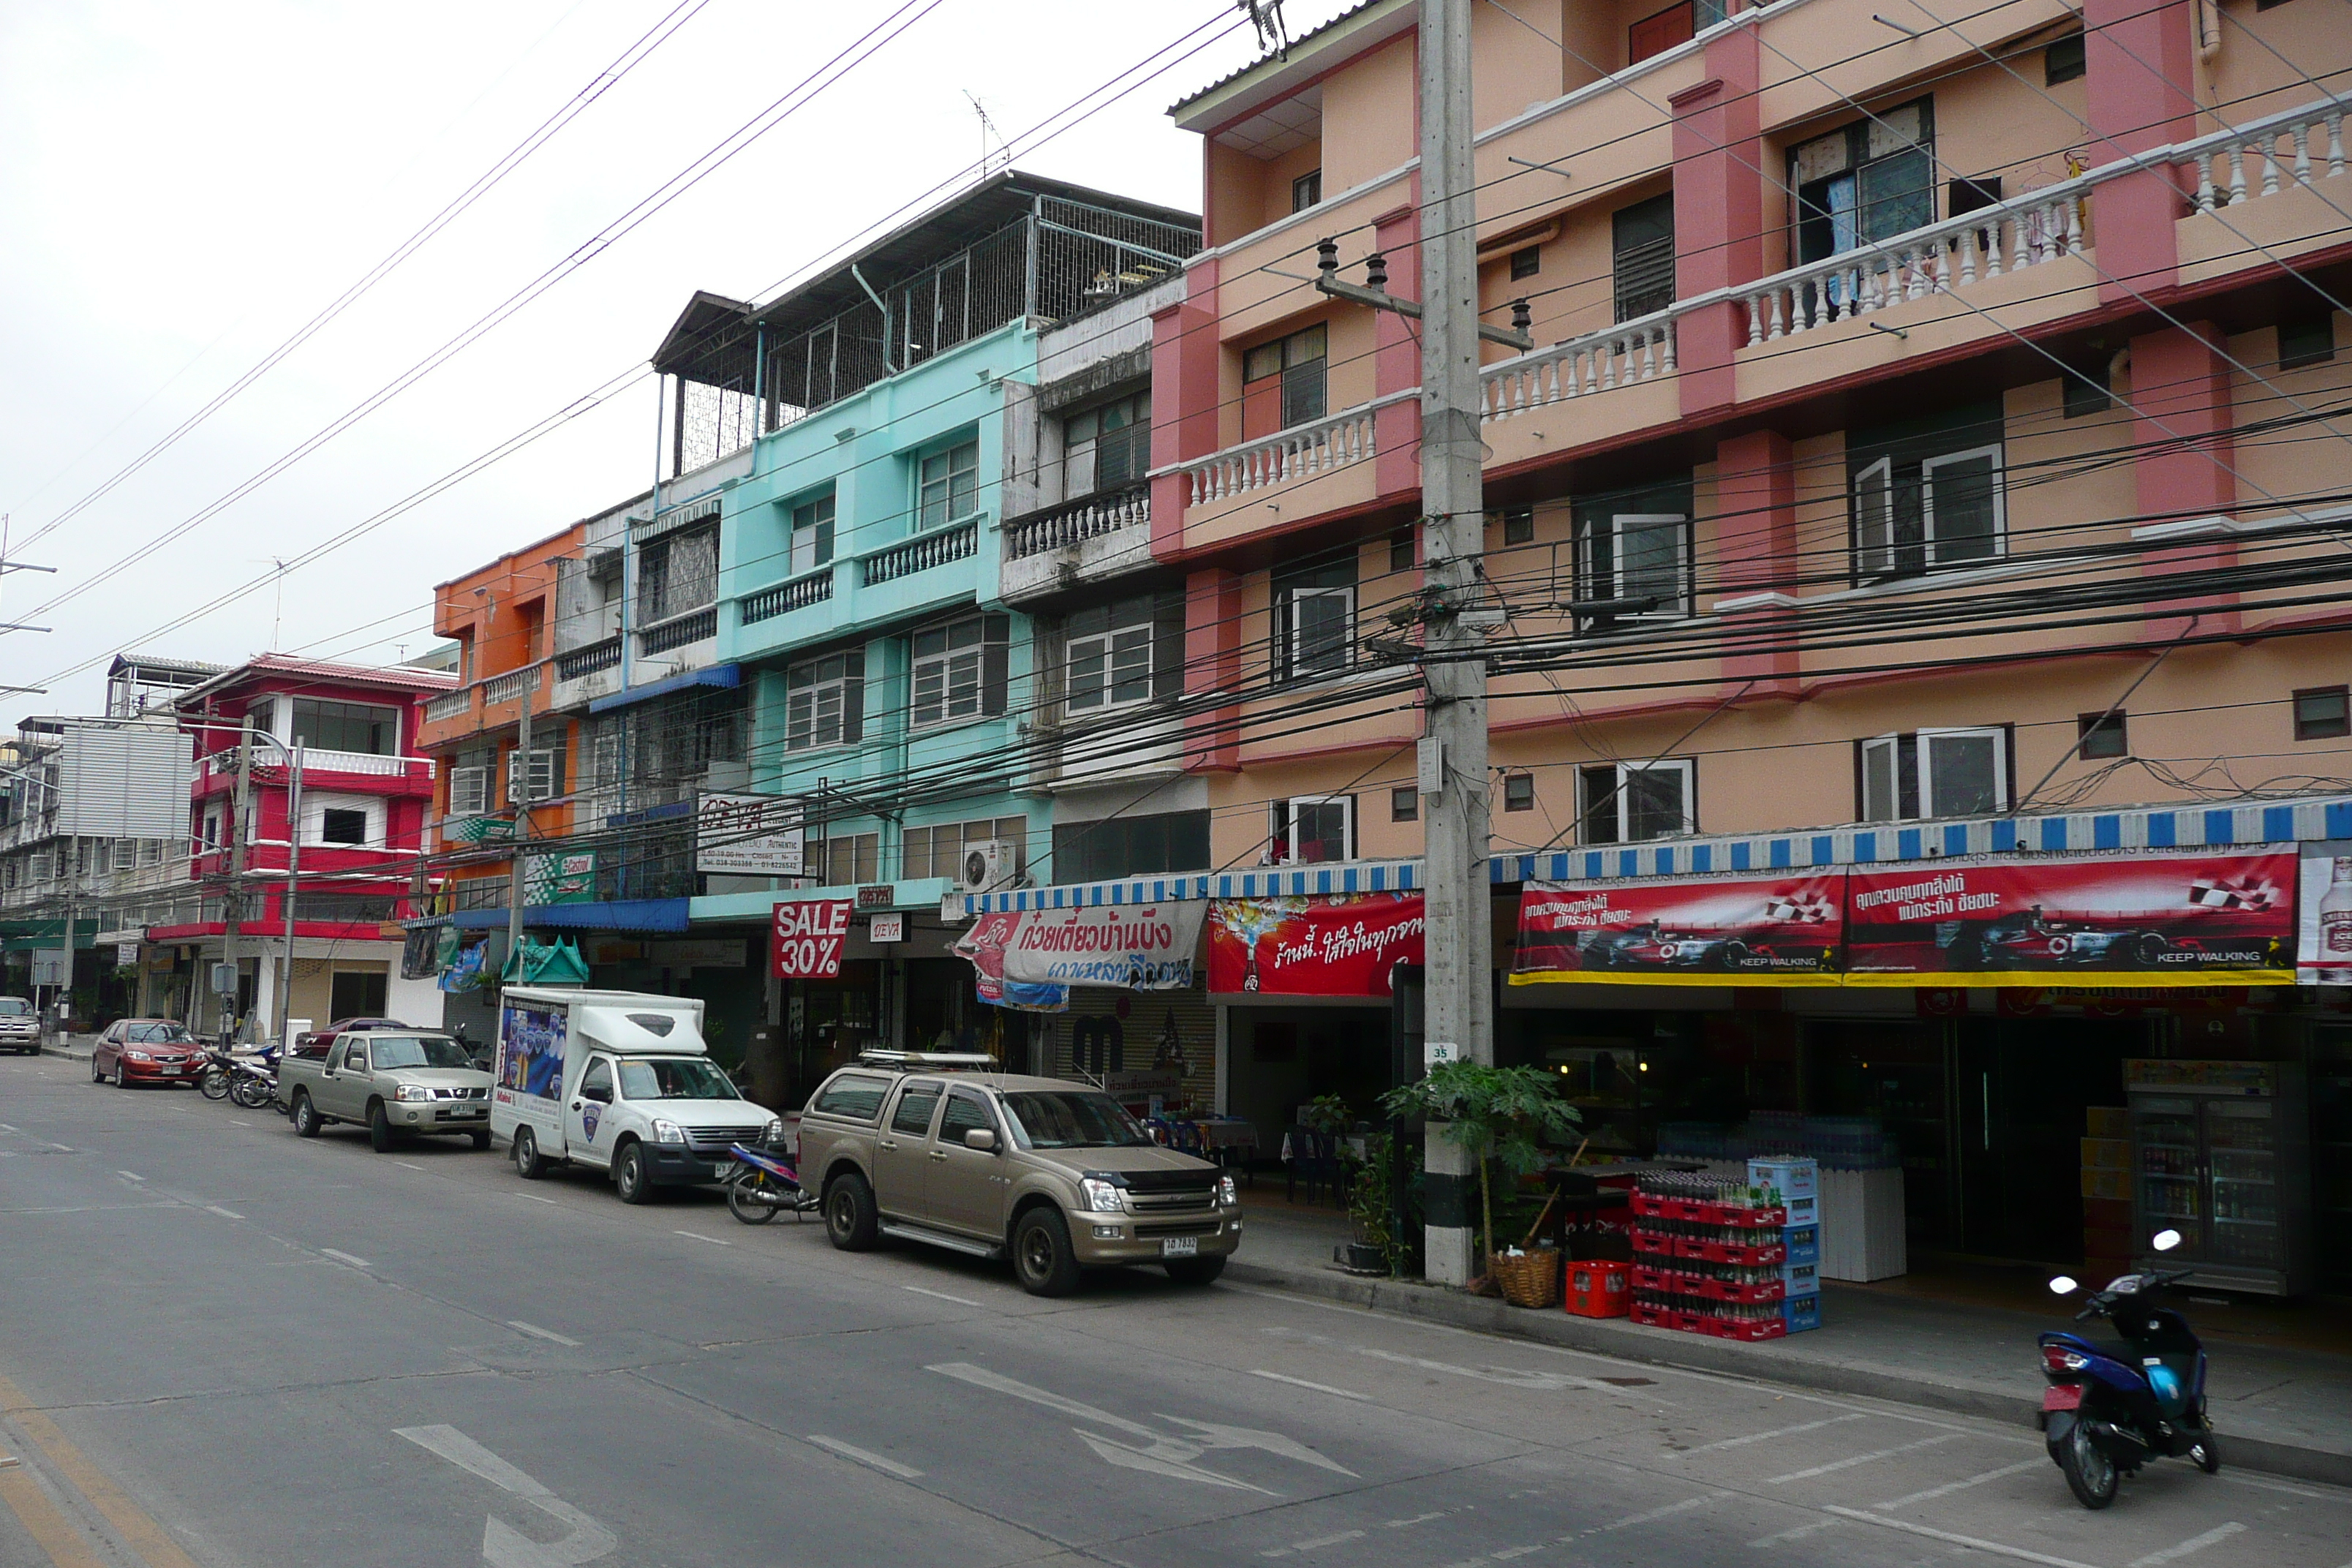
(2213,1537)
(699,1236)
(534,1197)
(1837,1464)
(1171,1463)
(47,1526)
(1317,1544)
(224,1213)
(130,1175)
(941,1295)
(1979,1542)
(233,1122)
(1302,1382)
(9,1461)
(343,1257)
(535,1332)
(406,1166)
(504,1546)
(5,1128)
(859,1456)
(1798,1533)
(1509,1376)
(1631,1520)
(1761,1437)
(981,1377)
(139,1531)
(1948,1488)
(62,1148)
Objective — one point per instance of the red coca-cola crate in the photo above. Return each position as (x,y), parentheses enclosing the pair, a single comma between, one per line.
(1708,1214)
(1742,1329)
(1728,1251)
(1596,1289)
(1654,1242)
(1716,1290)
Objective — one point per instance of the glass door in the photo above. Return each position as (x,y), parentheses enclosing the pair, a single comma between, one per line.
(2164,1134)
(2240,1138)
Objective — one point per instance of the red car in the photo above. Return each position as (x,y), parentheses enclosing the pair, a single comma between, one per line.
(145,1051)
(317,1042)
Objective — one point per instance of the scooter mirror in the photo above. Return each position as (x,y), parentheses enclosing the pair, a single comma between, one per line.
(2165,1240)
(2062,1286)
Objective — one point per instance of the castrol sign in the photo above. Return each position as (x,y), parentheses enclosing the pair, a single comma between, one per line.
(808,938)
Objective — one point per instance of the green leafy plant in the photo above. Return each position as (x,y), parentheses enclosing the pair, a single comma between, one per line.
(1373,1205)
(1498,1116)
(1325,1113)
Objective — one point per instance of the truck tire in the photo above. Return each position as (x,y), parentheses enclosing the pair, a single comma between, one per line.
(1042,1257)
(851,1222)
(526,1163)
(306,1115)
(481,1140)
(1194,1270)
(629,1178)
(380,1136)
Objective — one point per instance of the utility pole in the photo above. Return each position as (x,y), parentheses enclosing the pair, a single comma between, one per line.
(293,885)
(1461,1001)
(233,922)
(522,824)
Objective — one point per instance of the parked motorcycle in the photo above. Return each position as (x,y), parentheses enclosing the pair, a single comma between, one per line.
(217,1073)
(253,1080)
(762,1186)
(2113,1405)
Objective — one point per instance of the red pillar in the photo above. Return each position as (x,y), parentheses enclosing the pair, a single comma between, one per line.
(1185,362)
(1212,663)
(2181,387)
(2139,82)
(1718,213)
(1756,544)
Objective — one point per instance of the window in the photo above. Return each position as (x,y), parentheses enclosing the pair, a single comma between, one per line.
(1677,24)
(1282,383)
(1518,792)
(2063,61)
(2086,388)
(1526,262)
(1626,803)
(1633,553)
(2311,341)
(346,727)
(1928,495)
(355,1058)
(349,908)
(950,486)
(596,1083)
(1863,182)
(1307,191)
(2100,735)
(1122,653)
(825,701)
(965,1114)
(1642,252)
(937,851)
(1934,774)
(1106,448)
(1404,805)
(812,534)
(844,860)
(852,1096)
(960,670)
(337,825)
(1401,550)
(1119,846)
(546,774)
(1519,525)
(469,795)
(913,1115)
(677,574)
(1315,620)
(2323,713)
(1309,828)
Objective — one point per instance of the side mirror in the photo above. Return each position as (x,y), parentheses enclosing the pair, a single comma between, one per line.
(980,1138)
(2063,1286)
(2165,1240)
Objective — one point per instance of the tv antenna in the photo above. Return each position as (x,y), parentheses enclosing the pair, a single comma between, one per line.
(1002,157)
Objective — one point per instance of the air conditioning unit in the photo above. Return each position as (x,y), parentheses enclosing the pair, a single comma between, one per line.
(986,867)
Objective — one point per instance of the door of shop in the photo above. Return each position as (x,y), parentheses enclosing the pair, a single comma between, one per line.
(2019,1088)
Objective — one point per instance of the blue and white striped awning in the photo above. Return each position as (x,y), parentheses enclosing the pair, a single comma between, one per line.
(2138,827)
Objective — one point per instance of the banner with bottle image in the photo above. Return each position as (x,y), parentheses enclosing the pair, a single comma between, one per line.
(2323,945)
(1343,944)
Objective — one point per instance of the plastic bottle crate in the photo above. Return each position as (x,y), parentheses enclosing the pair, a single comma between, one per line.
(1795,1177)
(1802,1312)
(1722,1251)
(1745,1330)
(1653,1207)
(1654,1242)
(1597,1289)
(1658,1317)
(1802,1242)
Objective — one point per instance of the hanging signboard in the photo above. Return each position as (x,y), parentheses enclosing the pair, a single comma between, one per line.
(2323,947)
(808,939)
(983,943)
(1348,944)
(1031,957)
(1746,930)
(564,876)
(747,835)
(2190,918)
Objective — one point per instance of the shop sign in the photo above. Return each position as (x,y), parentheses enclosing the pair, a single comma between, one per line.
(1746,930)
(877,898)
(698,952)
(568,877)
(809,934)
(126,953)
(747,835)
(983,945)
(886,928)
(2323,948)
(1349,945)
(2194,918)
(1030,958)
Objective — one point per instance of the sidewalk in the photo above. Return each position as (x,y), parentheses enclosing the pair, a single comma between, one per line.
(2279,1405)
(73,1047)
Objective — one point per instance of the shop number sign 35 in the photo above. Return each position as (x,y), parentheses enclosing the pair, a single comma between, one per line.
(808,939)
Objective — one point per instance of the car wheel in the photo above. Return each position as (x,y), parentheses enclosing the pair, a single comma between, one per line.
(481,1140)
(629,1178)
(1042,1257)
(526,1163)
(381,1137)
(1194,1270)
(121,1074)
(97,1073)
(850,1221)
(306,1115)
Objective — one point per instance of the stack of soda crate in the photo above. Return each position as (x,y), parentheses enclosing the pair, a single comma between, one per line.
(1795,1185)
(1712,1256)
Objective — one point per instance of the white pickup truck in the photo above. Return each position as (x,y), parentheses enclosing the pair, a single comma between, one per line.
(620,1081)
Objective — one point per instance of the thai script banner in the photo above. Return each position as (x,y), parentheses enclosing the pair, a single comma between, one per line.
(1029,959)
(1746,931)
(1345,945)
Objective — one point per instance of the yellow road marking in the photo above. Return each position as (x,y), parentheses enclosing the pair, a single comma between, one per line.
(131,1521)
(42,1521)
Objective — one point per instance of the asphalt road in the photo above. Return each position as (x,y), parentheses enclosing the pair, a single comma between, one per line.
(221,1344)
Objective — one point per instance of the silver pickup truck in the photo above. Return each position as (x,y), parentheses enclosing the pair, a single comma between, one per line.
(20,1026)
(1055,1174)
(393,1083)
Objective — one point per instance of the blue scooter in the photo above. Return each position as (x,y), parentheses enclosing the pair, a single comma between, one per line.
(2112,1405)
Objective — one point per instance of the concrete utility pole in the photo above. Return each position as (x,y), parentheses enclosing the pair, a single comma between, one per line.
(1461,1002)
(233,922)
(293,888)
(522,825)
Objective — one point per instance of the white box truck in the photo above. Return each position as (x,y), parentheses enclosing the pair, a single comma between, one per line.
(619,1081)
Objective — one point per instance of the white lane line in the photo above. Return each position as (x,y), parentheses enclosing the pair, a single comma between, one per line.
(233,1122)
(406,1166)
(1761,1437)
(130,1175)
(2213,1537)
(1417,1519)
(1317,1544)
(535,1332)
(698,1236)
(859,1456)
(1837,1464)
(941,1296)
(5,1128)
(1302,1382)
(1948,1488)
(1979,1542)
(343,1257)
(1651,1515)
(534,1197)
(224,1213)
(62,1148)
(981,1377)
(1798,1533)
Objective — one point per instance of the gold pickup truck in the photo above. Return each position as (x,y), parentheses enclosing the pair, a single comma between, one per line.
(1055,1174)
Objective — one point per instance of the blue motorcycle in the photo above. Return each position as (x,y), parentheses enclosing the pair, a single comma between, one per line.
(2113,1405)
(761,1185)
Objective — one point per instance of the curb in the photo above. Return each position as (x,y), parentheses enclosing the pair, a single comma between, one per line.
(1618,1339)
(70,1051)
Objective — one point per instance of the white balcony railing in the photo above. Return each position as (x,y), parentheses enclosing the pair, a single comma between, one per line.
(511,685)
(1075,521)
(920,553)
(2221,160)
(1286,456)
(1630,352)
(451,705)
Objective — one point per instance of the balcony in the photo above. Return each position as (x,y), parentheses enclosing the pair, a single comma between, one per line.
(814,588)
(694,625)
(222,764)
(509,687)
(1094,536)
(590,660)
(456,704)
(920,553)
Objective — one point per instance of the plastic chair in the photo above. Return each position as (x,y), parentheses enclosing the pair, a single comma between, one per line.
(1315,1160)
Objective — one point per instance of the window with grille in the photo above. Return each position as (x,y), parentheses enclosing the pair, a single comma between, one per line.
(1928,494)
(1282,383)
(469,792)
(825,701)
(346,727)
(1868,181)
(812,534)
(949,488)
(1932,774)
(1626,803)
(546,773)
(960,670)
(1144,846)
(677,574)
(1642,257)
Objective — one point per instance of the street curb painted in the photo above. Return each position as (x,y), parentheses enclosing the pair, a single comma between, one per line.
(1620,1339)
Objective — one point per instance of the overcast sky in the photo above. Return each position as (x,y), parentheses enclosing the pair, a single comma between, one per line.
(184,186)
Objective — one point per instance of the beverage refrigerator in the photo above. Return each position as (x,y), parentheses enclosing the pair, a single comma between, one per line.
(2220,1153)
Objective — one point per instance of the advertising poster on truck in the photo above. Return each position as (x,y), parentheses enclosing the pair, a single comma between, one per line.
(2193,917)
(1734,931)
(1347,944)
(530,1051)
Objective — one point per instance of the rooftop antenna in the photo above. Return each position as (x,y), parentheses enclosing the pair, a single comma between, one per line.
(1003,157)
(1265,15)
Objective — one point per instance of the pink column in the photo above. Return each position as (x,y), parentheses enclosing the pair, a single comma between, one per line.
(1185,362)
(1212,663)
(2180,386)
(1718,213)
(1756,544)
(2140,61)
(1396,360)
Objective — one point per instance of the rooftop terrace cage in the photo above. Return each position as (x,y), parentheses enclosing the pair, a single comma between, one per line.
(1016,248)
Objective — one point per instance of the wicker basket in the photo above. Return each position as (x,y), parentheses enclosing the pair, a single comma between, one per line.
(1528,1278)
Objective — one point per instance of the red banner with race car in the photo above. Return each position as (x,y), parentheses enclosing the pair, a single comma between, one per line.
(1741,931)
(2187,918)
(1347,944)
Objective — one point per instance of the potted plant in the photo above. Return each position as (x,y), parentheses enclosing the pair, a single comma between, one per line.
(1498,1116)
(1375,1247)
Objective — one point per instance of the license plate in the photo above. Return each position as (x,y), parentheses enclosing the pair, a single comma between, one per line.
(2063,1396)
(169,1072)
(1180,1247)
